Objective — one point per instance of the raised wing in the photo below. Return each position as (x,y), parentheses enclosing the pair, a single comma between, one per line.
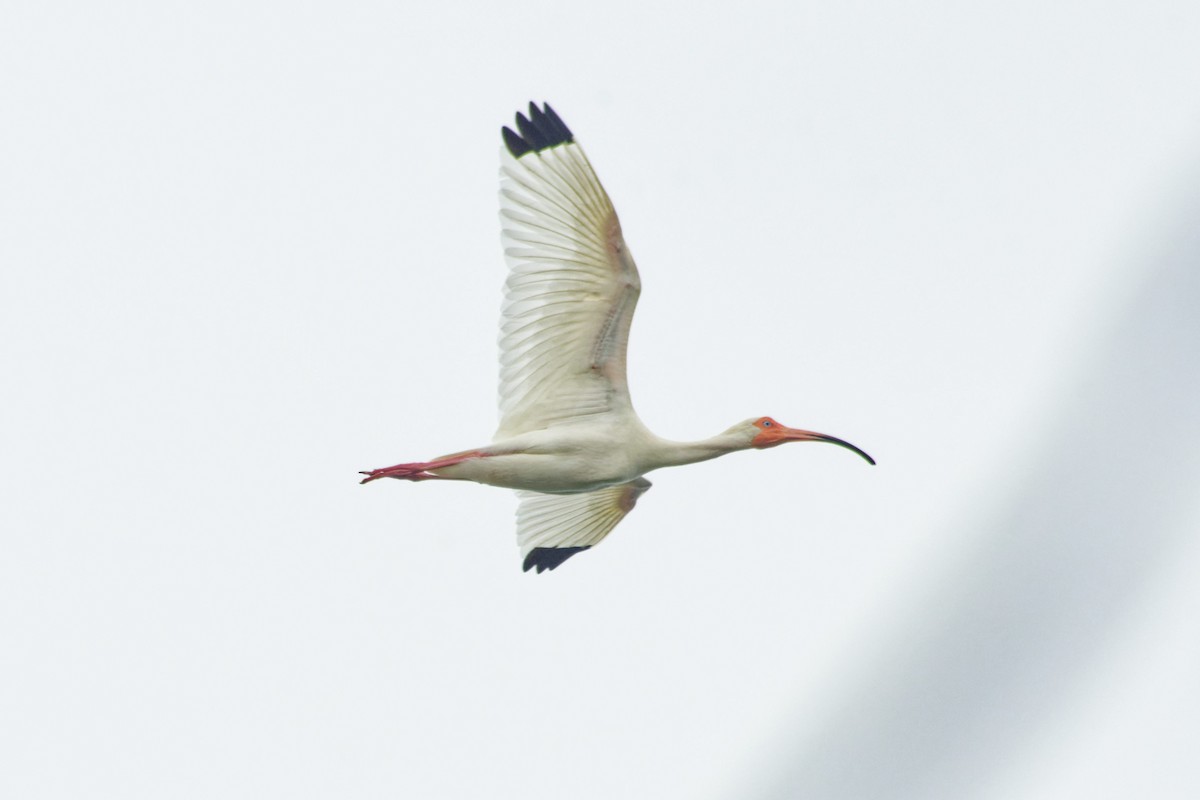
(553,527)
(572,284)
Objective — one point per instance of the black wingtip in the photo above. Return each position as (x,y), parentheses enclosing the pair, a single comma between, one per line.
(545,558)
(542,129)
(515,144)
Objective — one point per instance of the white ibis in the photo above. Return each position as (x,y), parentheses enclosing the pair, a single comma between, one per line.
(569,440)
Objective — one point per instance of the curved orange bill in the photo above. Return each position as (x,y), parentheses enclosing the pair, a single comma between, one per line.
(778,435)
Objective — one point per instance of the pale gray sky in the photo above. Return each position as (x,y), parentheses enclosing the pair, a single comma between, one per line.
(251,248)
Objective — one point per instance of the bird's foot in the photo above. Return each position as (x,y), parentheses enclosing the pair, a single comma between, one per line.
(419,471)
(405,472)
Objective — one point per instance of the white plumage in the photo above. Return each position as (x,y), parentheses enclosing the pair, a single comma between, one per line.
(570,294)
(569,440)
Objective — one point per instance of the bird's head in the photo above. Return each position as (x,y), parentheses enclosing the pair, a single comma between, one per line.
(765,432)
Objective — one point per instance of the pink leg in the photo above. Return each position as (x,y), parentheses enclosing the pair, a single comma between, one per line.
(418,471)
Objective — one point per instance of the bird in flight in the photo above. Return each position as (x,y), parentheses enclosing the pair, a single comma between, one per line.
(569,440)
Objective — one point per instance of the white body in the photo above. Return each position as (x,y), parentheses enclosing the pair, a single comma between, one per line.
(608,451)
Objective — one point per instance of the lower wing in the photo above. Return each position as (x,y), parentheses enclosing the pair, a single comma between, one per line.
(553,527)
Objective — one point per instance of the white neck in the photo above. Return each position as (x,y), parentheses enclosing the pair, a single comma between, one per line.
(665,453)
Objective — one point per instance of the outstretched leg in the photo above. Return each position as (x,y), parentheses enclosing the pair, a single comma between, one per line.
(420,470)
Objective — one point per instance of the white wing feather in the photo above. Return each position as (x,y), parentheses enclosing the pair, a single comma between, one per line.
(570,295)
(553,521)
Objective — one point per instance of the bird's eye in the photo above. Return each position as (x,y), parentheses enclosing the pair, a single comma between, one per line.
(766,423)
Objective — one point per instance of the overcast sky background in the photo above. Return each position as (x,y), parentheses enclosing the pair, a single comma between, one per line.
(251,248)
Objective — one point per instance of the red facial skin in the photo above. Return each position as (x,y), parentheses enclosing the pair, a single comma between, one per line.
(772,434)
